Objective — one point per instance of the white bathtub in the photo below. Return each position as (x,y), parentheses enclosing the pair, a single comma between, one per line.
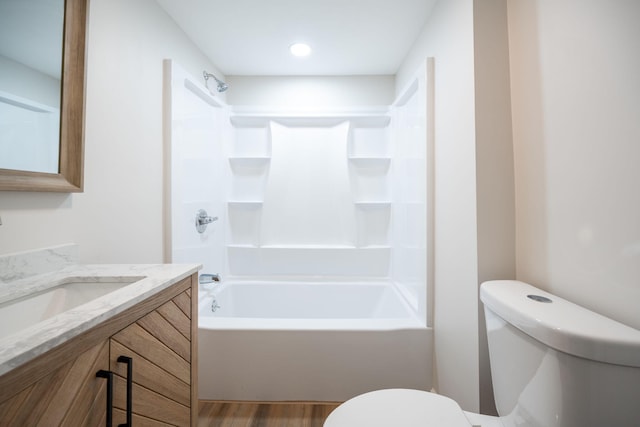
(274,341)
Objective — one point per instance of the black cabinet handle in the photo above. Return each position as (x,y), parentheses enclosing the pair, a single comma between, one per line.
(129,362)
(109,376)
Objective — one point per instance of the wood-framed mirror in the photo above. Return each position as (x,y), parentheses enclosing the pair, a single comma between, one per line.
(70,165)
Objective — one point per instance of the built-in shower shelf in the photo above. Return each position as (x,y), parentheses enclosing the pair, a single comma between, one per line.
(249,161)
(312,119)
(380,204)
(371,161)
(305,246)
(245,203)
(308,247)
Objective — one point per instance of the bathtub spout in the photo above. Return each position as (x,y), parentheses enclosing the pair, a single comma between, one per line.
(208,278)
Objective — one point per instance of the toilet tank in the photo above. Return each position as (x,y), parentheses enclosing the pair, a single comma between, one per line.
(556,364)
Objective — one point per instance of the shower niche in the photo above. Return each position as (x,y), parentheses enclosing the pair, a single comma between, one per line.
(369,154)
(309,195)
(249,158)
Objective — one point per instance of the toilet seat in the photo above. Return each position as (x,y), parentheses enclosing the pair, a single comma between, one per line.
(398,408)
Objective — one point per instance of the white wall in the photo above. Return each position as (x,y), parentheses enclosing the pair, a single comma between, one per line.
(310,92)
(448,37)
(118,217)
(576,109)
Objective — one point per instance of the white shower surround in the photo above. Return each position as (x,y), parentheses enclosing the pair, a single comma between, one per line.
(305,195)
(363,224)
(308,206)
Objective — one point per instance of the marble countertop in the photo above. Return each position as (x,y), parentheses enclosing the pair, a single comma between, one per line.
(23,346)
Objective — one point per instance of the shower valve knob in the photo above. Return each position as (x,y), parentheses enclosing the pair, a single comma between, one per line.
(202,219)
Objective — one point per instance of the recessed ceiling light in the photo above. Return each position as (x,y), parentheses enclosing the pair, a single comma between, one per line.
(300,49)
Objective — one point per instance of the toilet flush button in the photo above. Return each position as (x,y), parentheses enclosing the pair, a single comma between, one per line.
(539,298)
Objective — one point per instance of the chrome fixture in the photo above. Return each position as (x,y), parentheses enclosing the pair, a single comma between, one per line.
(214,305)
(208,278)
(202,219)
(222,86)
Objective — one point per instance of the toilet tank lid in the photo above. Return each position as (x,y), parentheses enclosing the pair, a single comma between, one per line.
(561,324)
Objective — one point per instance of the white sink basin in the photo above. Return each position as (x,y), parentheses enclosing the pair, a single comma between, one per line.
(71,292)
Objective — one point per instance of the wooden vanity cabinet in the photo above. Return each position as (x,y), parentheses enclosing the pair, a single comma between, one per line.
(158,335)
(70,395)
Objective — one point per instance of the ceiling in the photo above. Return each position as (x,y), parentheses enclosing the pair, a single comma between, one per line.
(348,37)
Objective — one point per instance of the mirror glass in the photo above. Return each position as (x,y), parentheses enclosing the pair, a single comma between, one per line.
(31,46)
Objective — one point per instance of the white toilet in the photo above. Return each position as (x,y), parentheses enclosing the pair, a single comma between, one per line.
(553,364)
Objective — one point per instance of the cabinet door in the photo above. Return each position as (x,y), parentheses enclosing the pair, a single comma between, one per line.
(69,396)
(159,345)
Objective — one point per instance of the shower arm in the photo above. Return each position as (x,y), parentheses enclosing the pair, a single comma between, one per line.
(209,75)
(222,86)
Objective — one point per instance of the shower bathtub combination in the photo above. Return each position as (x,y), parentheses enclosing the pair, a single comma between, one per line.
(321,244)
(279,341)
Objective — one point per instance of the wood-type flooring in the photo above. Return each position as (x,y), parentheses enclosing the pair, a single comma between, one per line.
(257,414)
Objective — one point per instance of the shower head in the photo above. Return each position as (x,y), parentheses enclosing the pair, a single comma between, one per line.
(222,86)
